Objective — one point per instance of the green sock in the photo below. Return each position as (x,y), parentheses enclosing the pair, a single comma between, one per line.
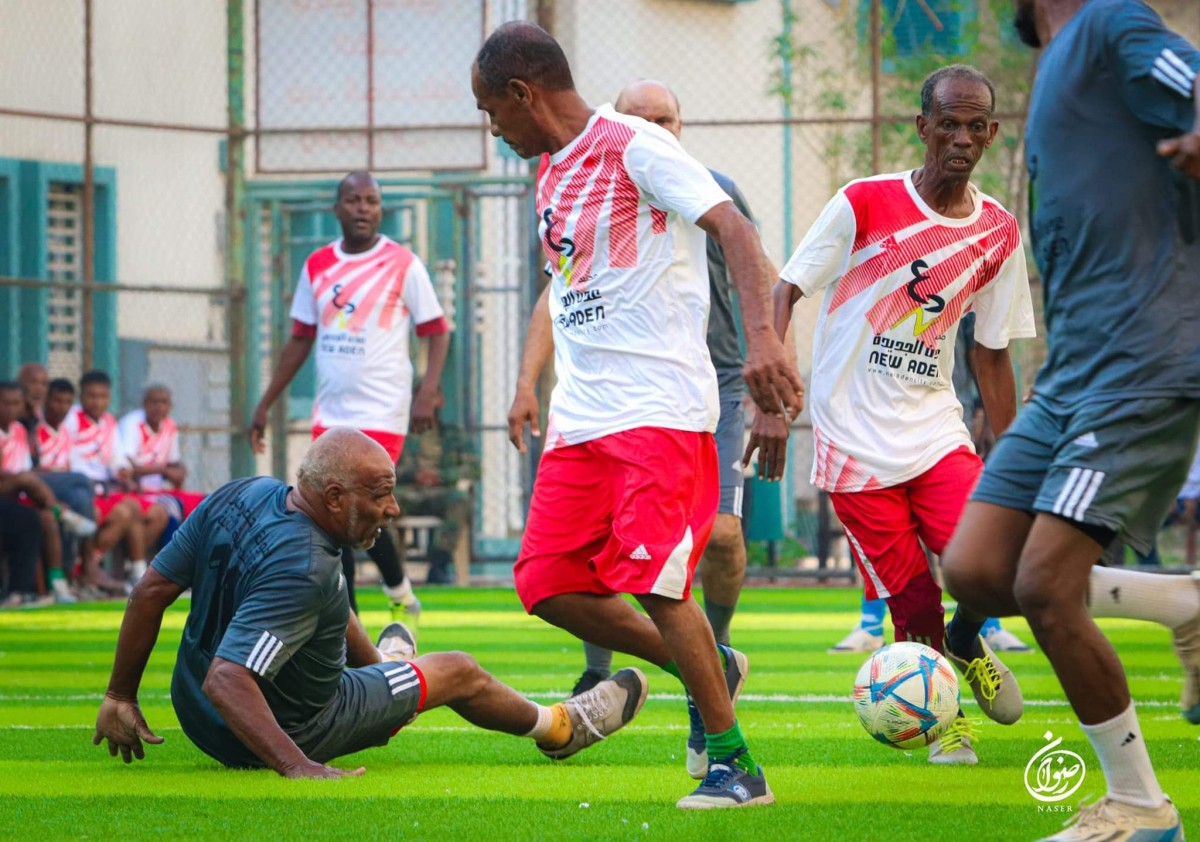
(54,575)
(722,745)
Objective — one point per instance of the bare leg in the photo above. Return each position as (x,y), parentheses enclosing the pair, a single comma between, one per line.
(1051,588)
(723,569)
(980,563)
(135,532)
(689,642)
(455,680)
(609,621)
(154,523)
(51,541)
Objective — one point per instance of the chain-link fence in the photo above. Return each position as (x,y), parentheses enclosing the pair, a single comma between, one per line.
(190,151)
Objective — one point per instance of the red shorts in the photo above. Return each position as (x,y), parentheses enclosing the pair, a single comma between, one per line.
(105,503)
(885,528)
(626,513)
(393,443)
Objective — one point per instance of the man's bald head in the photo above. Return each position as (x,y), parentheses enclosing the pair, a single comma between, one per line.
(34,381)
(357,179)
(341,455)
(654,102)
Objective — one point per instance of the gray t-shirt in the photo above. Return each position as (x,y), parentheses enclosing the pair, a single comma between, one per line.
(723,344)
(1116,230)
(267,593)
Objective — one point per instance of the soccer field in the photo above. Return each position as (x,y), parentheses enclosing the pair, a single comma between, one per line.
(441,779)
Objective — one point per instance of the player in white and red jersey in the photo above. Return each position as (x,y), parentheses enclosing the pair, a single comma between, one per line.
(356,301)
(150,439)
(899,259)
(96,452)
(627,489)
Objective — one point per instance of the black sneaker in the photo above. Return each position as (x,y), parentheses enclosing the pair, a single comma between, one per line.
(737,667)
(726,785)
(587,681)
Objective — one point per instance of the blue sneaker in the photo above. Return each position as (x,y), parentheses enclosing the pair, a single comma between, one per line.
(737,667)
(726,785)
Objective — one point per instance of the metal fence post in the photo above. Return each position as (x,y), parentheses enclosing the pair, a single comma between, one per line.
(241,457)
(88,220)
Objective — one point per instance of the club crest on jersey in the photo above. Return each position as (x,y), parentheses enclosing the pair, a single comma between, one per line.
(932,304)
(564,248)
(344,308)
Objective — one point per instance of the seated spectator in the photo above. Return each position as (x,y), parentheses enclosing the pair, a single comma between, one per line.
(21,544)
(35,381)
(96,452)
(150,440)
(18,481)
(55,450)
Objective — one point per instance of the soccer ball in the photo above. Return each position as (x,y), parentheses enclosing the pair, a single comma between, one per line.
(906,695)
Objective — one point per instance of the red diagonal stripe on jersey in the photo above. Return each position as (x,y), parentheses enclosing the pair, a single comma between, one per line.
(318,262)
(881,209)
(395,291)
(603,179)
(348,291)
(895,305)
(623,228)
(579,181)
(554,173)
(658,220)
(382,283)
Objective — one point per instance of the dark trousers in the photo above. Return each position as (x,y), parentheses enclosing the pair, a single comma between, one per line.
(21,542)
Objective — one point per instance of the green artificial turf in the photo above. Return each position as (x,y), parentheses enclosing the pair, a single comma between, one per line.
(441,779)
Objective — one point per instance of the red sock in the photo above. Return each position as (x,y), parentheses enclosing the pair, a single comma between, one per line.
(917,612)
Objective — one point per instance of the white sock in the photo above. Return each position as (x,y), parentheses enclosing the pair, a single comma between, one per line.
(60,587)
(1133,595)
(400,592)
(1123,758)
(137,569)
(542,727)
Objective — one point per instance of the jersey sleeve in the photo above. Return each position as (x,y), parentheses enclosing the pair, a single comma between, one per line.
(673,179)
(177,560)
(1003,309)
(824,254)
(127,435)
(421,300)
(304,302)
(1157,67)
(278,615)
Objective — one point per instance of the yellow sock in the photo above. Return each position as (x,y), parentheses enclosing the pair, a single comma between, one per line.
(557,731)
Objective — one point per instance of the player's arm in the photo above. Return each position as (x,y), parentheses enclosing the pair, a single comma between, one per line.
(175,473)
(539,348)
(235,694)
(120,720)
(360,651)
(294,353)
(432,329)
(1184,151)
(997,384)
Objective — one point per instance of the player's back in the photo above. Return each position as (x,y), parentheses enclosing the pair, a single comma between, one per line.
(1116,231)
(264,579)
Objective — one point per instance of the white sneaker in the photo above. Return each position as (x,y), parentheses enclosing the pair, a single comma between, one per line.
(1186,640)
(1114,821)
(1002,640)
(993,684)
(859,640)
(62,593)
(953,748)
(396,643)
(76,524)
(601,711)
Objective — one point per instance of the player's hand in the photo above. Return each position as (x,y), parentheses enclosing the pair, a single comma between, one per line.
(1184,152)
(424,409)
(120,721)
(524,410)
(319,771)
(769,436)
(774,383)
(258,430)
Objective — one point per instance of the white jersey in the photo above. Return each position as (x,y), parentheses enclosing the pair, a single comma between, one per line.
(96,450)
(144,446)
(15,455)
(897,279)
(362,306)
(629,291)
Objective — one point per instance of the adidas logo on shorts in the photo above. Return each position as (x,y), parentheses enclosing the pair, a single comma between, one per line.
(640,553)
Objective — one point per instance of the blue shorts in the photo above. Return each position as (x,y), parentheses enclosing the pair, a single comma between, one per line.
(1116,465)
(731,438)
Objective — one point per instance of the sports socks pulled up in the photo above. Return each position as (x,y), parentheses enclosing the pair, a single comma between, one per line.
(727,743)
(1122,752)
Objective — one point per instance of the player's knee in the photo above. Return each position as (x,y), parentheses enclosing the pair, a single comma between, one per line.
(460,671)
(726,538)
(1039,597)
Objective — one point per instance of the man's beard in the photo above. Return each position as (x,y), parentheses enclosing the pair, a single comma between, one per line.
(367,542)
(1025,23)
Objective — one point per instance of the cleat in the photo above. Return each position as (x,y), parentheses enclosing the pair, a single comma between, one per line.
(396,643)
(954,746)
(1002,640)
(1186,640)
(62,593)
(727,785)
(859,640)
(601,711)
(737,667)
(76,524)
(408,610)
(1114,821)
(587,681)
(992,682)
